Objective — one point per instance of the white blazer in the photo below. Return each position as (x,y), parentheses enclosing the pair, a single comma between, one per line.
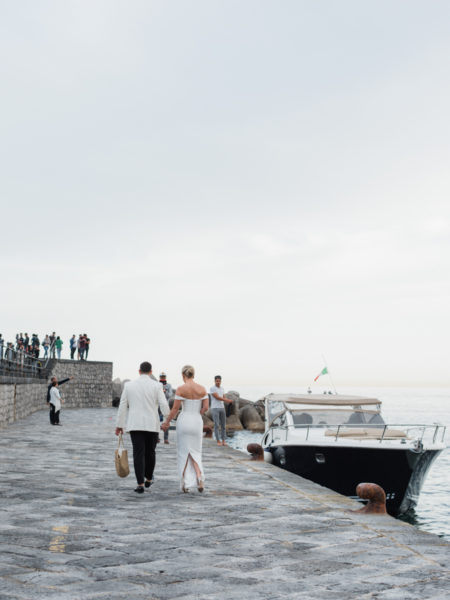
(138,408)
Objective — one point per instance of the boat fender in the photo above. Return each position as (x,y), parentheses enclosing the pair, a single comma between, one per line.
(279,457)
(268,457)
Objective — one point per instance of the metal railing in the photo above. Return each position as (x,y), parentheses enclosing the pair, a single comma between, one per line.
(18,362)
(434,432)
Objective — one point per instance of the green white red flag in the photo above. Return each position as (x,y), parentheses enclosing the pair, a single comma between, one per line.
(324,371)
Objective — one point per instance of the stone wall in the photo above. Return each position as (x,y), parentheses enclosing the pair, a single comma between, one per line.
(18,400)
(91,386)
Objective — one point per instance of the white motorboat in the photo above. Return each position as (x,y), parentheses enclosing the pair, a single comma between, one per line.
(340,441)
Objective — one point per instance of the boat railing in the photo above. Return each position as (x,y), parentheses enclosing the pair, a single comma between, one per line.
(389,432)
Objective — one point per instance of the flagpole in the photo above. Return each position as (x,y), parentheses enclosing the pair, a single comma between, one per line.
(329,374)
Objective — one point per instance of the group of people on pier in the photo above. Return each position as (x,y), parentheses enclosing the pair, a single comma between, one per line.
(26,347)
(147,406)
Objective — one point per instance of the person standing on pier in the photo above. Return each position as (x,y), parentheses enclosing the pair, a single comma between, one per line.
(193,399)
(55,404)
(168,392)
(58,345)
(73,346)
(53,380)
(46,345)
(138,415)
(52,345)
(218,413)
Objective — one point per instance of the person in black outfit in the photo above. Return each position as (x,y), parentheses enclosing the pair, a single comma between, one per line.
(60,382)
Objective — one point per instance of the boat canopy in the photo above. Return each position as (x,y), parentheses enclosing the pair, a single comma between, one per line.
(321,409)
(323,399)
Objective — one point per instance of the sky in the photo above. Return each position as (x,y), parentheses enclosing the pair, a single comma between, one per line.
(252,187)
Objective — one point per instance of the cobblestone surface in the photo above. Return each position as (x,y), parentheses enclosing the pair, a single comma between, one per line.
(71,529)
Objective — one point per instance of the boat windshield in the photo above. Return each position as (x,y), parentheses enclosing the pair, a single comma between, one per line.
(339,416)
(329,410)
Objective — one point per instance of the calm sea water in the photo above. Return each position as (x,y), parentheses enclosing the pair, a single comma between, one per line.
(399,405)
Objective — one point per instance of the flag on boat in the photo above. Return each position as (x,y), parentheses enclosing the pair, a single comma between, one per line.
(324,371)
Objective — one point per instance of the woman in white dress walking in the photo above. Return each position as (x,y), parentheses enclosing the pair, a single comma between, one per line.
(193,399)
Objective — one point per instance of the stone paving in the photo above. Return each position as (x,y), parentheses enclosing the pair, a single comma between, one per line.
(71,529)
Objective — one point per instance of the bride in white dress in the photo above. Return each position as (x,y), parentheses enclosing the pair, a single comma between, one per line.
(193,399)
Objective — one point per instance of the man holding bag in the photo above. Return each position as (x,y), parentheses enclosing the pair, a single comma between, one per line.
(138,415)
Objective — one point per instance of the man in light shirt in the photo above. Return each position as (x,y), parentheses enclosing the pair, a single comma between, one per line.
(218,413)
(138,415)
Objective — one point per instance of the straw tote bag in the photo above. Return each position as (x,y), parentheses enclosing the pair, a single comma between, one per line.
(121,459)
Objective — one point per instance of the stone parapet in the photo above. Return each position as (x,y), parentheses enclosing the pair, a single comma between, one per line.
(18,400)
(90,387)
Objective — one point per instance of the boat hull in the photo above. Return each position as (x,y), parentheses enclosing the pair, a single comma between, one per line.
(399,471)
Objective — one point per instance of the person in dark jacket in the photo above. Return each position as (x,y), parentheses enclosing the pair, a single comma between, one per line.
(49,387)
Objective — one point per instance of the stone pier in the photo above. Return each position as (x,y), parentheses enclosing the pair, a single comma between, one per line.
(70,529)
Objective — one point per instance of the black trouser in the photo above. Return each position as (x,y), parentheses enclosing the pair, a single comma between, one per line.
(72,351)
(54,415)
(144,444)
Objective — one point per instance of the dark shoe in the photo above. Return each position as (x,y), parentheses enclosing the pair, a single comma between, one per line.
(139,489)
(166,441)
(148,483)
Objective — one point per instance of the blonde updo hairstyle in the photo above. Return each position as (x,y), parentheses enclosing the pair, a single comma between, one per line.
(188,371)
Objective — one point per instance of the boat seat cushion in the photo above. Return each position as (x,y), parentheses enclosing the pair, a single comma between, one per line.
(367,433)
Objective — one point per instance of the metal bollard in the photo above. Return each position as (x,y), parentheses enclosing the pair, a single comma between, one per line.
(256,451)
(376,498)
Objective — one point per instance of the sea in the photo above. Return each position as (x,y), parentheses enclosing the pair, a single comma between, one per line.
(399,405)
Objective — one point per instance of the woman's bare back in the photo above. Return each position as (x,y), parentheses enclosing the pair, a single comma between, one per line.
(191,390)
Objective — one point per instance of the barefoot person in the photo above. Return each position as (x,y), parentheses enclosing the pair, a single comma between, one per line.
(193,398)
(218,413)
(138,414)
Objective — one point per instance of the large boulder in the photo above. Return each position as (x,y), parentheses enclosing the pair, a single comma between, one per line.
(261,408)
(232,409)
(243,402)
(250,418)
(208,426)
(234,423)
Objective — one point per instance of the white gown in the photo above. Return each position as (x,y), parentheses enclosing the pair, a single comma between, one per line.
(189,441)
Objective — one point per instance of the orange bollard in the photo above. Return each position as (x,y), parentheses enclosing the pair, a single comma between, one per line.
(376,497)
(256,451)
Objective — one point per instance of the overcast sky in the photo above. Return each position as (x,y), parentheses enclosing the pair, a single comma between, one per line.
(240,185)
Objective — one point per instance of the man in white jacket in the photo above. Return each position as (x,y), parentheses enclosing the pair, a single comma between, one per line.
(138,415)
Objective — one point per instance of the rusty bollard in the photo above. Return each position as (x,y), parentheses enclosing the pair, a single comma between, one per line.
(376,497)
(256,451)
(207,431)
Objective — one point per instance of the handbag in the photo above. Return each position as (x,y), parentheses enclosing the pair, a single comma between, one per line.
(121,459)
